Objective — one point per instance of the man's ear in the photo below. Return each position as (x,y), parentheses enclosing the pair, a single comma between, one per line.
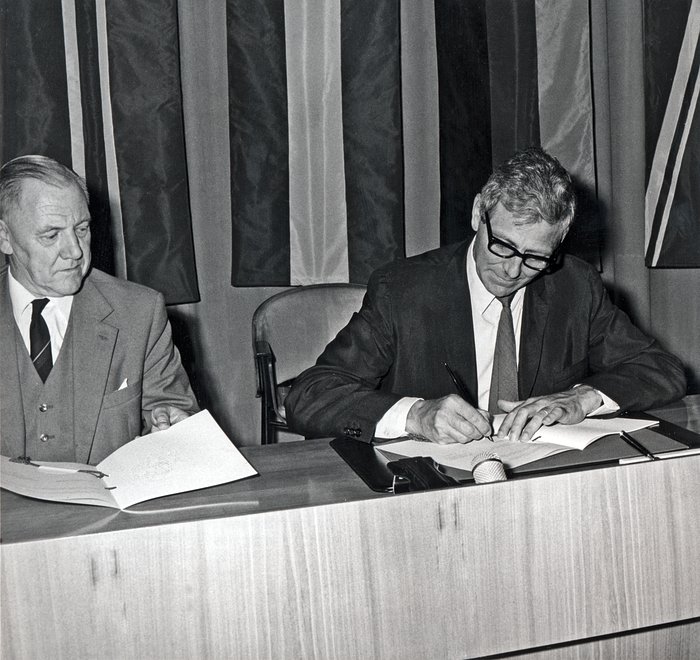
(476,212)
(5,244)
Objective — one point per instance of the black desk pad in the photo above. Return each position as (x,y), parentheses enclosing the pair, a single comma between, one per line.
(372,468)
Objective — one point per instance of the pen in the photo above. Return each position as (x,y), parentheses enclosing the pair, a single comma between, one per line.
(691,451)
(57,468)
(635,444)
(461,388)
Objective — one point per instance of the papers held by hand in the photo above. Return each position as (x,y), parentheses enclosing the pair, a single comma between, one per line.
(550,440)
(190,455)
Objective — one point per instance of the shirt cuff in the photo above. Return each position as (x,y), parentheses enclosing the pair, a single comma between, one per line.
(608,406)
(393,423)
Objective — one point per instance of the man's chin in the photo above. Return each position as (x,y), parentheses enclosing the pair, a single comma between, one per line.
(501,290)
(70,284)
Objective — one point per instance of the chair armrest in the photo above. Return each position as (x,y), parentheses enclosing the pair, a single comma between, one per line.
(267,382)
(264,365)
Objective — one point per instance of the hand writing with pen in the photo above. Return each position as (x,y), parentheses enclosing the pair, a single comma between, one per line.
(452,419)
(447,420)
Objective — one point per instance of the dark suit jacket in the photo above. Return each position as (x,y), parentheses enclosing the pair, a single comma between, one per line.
(119,331)
(417,314)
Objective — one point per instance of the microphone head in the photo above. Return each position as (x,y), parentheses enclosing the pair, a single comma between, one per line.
(488,467)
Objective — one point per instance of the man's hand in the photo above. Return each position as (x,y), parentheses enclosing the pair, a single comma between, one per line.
(525,417)
(447,420)
(163,417)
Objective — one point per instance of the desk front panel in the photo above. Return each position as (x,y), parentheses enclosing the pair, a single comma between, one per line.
(455,573)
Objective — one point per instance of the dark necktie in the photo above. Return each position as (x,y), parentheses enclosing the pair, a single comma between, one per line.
(40,340)
(504,378)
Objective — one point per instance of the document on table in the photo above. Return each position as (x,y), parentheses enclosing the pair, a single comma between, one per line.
(190,455)
(550,440)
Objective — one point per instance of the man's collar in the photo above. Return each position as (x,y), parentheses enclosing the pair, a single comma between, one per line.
(21,298)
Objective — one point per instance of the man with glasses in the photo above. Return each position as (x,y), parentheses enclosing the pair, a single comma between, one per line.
(503,323)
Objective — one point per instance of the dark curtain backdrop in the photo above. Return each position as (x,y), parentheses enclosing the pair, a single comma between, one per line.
(217,329)
(487,56)
(102,94)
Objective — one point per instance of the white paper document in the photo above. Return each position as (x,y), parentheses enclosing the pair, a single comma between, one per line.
(192,454)
(550,440)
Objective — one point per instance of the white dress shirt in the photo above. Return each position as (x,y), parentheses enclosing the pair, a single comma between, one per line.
(56,314)
(486,313)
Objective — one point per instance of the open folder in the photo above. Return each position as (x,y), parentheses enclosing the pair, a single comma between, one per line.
(190,455)
(549,440)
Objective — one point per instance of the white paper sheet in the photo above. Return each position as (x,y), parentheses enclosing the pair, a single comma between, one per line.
(551,440)
(192,454)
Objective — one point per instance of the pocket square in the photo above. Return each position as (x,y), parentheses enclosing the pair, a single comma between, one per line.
(124,385)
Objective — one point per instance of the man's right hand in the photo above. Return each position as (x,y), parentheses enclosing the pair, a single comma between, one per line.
(447,420)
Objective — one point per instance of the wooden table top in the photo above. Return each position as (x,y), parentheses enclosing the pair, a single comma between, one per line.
(291,475)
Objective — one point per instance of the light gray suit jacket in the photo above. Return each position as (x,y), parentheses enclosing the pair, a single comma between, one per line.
(120,332)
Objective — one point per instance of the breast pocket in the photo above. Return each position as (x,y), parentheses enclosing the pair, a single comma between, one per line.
(119,421)
(122,396)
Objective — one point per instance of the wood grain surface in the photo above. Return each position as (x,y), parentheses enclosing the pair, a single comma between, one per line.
(598,563)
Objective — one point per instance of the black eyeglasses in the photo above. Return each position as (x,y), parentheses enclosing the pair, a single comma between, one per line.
(506,250)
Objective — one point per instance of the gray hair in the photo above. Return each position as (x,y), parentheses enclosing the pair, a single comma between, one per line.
(41,168)
(533,185)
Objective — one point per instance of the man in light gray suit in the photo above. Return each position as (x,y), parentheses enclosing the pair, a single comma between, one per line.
(87,361)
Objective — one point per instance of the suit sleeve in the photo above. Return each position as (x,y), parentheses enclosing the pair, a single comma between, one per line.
(625,363)
(164,379)
(340,395)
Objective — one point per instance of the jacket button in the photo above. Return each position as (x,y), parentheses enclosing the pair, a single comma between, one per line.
(44,438)
(43,407)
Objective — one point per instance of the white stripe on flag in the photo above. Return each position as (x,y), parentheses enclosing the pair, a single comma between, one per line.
(564,85)
(317,209)
(421,126)
(668,130)
(110,147)
(674,177)
(75,106)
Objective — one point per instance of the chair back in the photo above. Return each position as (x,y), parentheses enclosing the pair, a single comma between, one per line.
(299,322)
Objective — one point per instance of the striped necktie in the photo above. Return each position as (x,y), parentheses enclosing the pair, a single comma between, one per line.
(504,378)
(40,340)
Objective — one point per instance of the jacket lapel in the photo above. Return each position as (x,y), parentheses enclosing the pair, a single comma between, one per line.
(535,312)
(11,409)
(457,335)
(93,346)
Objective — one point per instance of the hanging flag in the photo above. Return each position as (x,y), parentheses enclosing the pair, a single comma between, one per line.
(318,129)
(315,130)
(508,70)
(672,87)
(96,85)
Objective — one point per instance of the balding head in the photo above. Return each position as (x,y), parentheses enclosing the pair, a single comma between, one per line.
(44,225)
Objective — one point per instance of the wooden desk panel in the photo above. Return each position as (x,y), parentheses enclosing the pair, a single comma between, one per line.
(454,573)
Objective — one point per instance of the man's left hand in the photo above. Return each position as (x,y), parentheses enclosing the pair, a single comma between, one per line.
(163,417)
(524,418)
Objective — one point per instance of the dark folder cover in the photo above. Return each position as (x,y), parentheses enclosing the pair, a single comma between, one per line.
(372,467)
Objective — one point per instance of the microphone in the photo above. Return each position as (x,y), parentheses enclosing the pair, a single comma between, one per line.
(487,467)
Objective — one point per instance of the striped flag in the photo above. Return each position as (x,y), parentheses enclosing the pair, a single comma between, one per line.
(361,131)
(672,79)
(95,84)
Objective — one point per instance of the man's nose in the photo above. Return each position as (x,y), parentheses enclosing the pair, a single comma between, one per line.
(513,266)
(70,247)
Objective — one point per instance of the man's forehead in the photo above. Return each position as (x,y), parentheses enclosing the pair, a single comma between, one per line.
(525,233)
(42,206)
(48,197)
